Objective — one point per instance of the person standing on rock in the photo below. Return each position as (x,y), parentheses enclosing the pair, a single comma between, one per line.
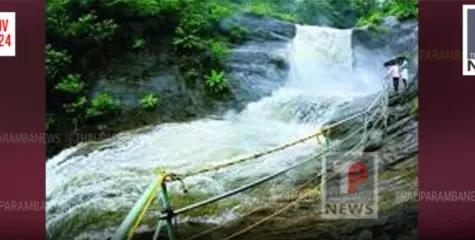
(404,71)
(395,73)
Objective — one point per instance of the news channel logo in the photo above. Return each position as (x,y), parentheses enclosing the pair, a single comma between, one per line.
(468,52)
(350,186)
(7,34)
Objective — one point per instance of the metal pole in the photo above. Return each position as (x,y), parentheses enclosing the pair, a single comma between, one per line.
(166,205)
(129,221)
(324,171)
(365,131)
(158,229)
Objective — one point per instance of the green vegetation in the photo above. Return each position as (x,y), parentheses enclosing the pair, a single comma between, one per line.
(402,9)
(102,105)
(148,101)
(337,13)
(262,8)
(217,81)
(84,37)
(415,107)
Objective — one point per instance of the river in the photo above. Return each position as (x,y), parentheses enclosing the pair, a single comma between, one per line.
(82,183)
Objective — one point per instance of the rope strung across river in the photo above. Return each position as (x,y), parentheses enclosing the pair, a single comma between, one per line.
(172,177)
(135,216)
(322,132)
(250,185)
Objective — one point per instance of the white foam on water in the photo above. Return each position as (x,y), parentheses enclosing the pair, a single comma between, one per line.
(112,177)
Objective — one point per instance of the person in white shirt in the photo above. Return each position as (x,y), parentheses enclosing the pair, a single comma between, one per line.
(404,71)
(395,73)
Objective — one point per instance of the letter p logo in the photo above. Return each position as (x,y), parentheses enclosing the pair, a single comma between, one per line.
(349,182)
(356,174)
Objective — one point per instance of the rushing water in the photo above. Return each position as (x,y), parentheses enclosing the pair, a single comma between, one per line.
(113,176)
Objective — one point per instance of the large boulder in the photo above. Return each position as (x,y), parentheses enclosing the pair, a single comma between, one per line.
(394,36)
(259,28)
(256,69)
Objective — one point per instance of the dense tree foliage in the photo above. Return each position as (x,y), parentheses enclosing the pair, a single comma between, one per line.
(85,36)
(402,9)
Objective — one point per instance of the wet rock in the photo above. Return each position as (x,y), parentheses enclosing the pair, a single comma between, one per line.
(279,59)
(175,101)
(384,237)
(163,84)
(259,27)
(400,223)
(402,144)
(393,39)
(397,126)
(343,117)
(390,22)
(349,143)
(382,221)
(256,69)
(398,113)
(365,235)
(396,140)
(350,227)
(375,141)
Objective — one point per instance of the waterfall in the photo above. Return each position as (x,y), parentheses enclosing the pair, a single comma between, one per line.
(87,180)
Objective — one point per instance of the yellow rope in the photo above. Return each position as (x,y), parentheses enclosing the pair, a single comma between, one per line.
(132,232)
(257,155)
(322,132)
(140,217)
(172,177)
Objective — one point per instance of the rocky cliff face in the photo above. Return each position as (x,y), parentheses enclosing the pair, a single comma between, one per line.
(260,65)
(255,69)
(396,142)
(400,39)
(393,38)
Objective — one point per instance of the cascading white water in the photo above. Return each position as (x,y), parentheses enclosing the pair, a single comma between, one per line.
(323,64)
(115,175)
